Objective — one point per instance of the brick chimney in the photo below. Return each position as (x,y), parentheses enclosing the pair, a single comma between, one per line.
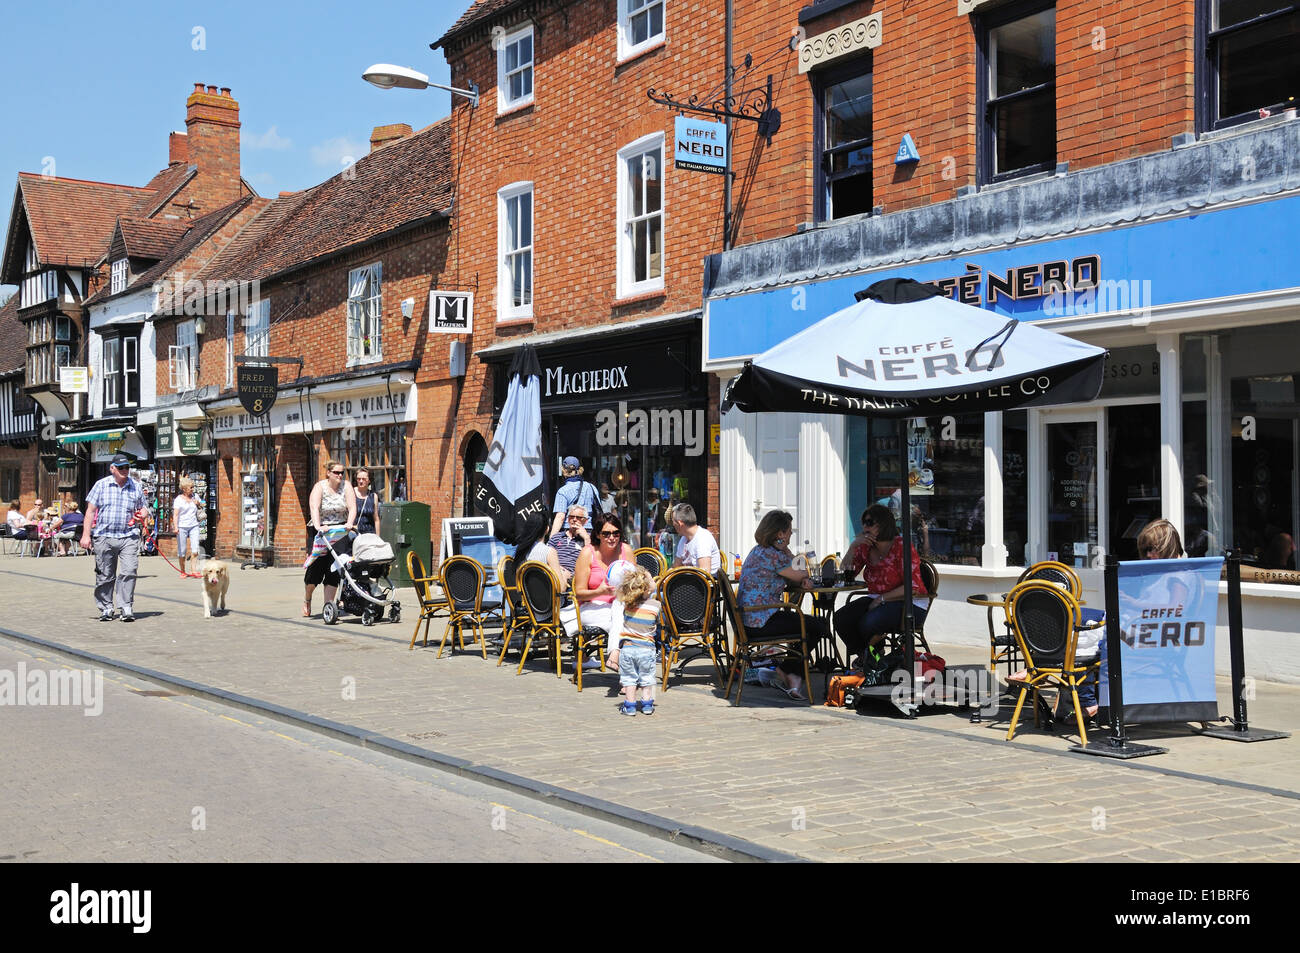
(383,135)
(212,145)
(178,148)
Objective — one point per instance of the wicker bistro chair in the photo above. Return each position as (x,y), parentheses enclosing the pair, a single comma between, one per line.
(518,619)
(539,592)
(1005,648)
(431,604)
(651,560)
(1046,620)
(686,595)
(463,580)
(1056,572)
(746,648)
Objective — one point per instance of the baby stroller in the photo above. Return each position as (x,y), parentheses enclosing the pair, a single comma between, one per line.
(364,587)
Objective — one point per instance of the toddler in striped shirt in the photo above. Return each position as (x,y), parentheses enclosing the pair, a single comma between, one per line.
(632,638)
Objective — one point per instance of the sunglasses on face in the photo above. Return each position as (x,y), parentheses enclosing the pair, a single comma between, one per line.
(868,522)
(336,473)
(613,534)
(577,519)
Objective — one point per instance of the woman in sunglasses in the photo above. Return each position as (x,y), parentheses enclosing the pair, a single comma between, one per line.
(333,514)
(591,575)
(877,552)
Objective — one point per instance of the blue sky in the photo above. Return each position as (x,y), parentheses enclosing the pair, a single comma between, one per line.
(97,87)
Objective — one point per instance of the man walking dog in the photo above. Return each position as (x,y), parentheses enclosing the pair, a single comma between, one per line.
(111,510)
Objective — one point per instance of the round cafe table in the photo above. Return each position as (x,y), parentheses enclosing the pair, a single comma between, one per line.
(823,607)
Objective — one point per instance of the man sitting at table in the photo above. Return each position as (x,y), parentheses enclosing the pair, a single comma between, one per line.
(568,542)
(695,545)
(878,553)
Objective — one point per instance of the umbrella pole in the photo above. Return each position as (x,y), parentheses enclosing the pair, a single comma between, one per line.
(905,522)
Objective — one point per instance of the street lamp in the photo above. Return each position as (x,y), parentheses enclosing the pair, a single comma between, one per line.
(388,76)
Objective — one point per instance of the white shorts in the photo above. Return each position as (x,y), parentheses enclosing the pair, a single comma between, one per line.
(192,535)
(593,614)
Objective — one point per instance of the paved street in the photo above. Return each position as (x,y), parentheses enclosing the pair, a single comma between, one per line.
(159,776)
(817,783)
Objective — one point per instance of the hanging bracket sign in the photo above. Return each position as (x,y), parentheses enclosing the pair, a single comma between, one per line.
(700,146)
(258,388)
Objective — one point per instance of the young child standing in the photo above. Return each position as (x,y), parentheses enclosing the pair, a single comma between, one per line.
(632,636)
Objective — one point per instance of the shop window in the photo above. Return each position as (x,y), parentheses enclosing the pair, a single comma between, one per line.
(256,470)
(1251,61)
(515,69)
(640,25)
(10,483)
(117,282)
(844,102)
(1018,91)
(1241,438)
(365,311)
(381,450)
(515,259)
(641,216)
(68,474)
(1015,485)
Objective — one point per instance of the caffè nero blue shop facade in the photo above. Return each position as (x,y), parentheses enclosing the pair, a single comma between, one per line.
(1182,264)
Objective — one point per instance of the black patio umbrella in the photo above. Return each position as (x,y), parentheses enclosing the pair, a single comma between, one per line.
(510,489)
(906,350)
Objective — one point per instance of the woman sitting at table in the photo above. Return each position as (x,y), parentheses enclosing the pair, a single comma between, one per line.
(764,576)
(590,576)
(877,552)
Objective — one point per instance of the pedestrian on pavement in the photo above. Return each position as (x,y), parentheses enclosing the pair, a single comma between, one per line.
(695,544)
(333,514)
(632,632)
(573,490)
(185,523)
(114,519)
(367,503)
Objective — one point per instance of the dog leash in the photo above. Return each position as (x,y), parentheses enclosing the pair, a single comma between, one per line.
(152,536)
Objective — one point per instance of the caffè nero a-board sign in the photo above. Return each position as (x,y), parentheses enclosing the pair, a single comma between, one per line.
(258,387)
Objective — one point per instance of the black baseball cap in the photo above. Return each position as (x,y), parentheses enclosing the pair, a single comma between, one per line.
(121,461)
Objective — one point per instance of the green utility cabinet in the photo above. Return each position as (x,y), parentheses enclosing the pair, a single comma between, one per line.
(405,527)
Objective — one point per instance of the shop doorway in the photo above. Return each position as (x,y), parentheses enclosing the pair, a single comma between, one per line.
(778,465)
(1068,522)
(475,456)
(1098,483)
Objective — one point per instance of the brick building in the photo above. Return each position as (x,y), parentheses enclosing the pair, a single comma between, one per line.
(1125,175)
(576,235)
(338,276)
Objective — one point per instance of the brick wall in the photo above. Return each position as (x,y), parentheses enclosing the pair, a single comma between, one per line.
(25,460)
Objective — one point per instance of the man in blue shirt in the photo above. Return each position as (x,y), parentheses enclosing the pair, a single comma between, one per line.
(111,510)
(574,491)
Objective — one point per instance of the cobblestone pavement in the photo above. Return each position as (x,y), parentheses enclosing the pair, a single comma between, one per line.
(819,783)
(216,784)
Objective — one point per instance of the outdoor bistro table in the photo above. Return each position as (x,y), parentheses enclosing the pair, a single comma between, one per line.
(823,607)
(1092,618)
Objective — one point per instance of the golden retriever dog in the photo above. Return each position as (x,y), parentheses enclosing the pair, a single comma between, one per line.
(216,580)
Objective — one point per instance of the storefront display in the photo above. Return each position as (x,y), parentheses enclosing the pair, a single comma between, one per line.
(631,408)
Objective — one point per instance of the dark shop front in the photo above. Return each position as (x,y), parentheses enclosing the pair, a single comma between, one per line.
(632,406)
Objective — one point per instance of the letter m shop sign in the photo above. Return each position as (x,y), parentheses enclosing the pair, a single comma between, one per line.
(700,146)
